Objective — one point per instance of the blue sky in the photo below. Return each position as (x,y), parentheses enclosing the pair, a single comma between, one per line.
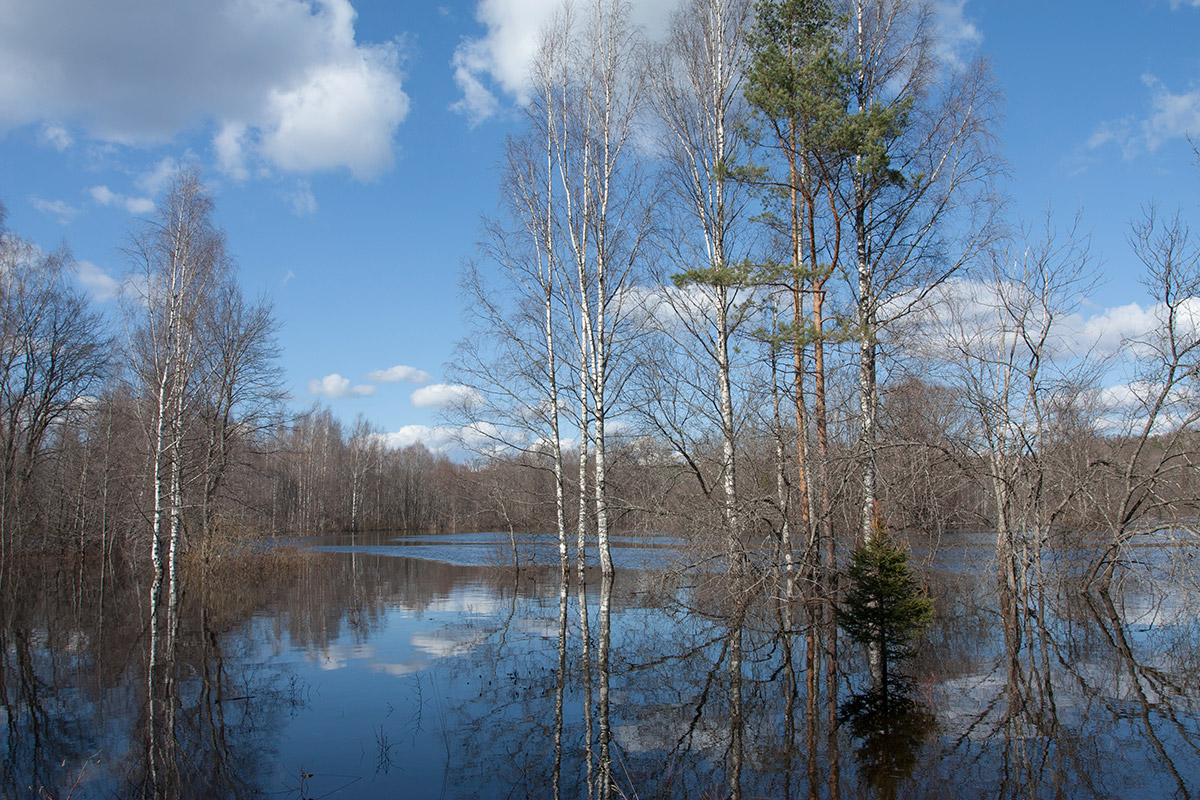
(352,148)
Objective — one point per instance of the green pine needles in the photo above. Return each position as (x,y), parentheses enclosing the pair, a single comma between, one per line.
(885,609)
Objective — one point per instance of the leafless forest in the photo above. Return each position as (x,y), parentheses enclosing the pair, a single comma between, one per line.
(756,285)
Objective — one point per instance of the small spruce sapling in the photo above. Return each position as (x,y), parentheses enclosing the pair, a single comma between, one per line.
(885,609)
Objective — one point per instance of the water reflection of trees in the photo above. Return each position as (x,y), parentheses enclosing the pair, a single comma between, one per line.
(92,710)
(1075,700)
(660,689)
(683,700)
(1025,696)
(97,689)
(889,726)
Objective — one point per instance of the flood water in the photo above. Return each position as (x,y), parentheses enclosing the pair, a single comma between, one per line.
(426,666)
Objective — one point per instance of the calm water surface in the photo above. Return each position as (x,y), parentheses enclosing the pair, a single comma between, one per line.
(386,667)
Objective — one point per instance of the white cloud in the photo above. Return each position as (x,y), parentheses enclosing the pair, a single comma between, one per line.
(344,115)
(471,62)
(444,395)
(1171,116)
(498,61)
(302,200)
(98,283)
(436,439)
(134,205)
(454,442)
(1113,327)
(446,643)
(672,308)
(55,136)
(61,210)
(963,312)
(230,149)
(157,178)
(287,277)
(335,386)
(1178,4)
(1127,407)
(1126,395)
(959,36)
(103,195)
(284,81)
(400,373)
(501,56)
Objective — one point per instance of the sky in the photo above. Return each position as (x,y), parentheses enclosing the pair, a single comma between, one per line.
(352,149)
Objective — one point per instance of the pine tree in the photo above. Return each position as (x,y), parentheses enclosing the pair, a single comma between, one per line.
(885,609)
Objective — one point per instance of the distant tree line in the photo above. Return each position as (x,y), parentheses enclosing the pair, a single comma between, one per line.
(163,427)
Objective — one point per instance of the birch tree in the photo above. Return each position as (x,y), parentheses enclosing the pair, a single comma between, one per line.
(567,248)
(179,257)
(513,362)
(697,96)
(602,218)
(919,197)
(239,388)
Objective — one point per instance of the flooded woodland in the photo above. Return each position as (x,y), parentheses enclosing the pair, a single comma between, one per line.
(427,666)
(803,465)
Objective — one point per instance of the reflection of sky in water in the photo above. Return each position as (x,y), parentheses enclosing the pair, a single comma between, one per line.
(495,549)
(394,691)
(369,723)
(417,678)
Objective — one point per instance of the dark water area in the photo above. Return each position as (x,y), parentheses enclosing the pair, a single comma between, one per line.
(426,666)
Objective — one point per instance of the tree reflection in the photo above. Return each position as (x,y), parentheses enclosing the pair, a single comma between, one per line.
(99,705)
(1081,700)
(891,728)
(544,685)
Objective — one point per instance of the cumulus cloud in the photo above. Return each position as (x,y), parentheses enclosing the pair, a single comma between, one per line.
(1112,328)
(61,210)
(1127,407)
(500,58)
(134,205)
(970,315)
(344,115)
(56,136)
(1126,396)
(400,373)
(444,439)
(675,308)
(335,387)
(498,61)
(1171,116)
(285,82)
(965,313)
(444,395)
(959,36)
(230,147)
(471,63)
(96,281)
(157,177)
(436,439)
